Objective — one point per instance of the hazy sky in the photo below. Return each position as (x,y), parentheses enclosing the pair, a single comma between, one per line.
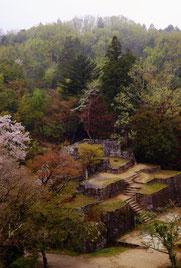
(19,14)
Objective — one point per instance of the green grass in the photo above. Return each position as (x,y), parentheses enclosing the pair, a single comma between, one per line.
(106,206)
(164,174)
(152,188)
(111,180)
(108,252)
(80,201)
(116,161)
(63,252)
(109,205)
(70,188)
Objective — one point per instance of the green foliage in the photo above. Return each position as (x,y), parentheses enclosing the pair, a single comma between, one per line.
(115,71)
(152,188)
(166,233)
(154,140)
(108,252)
(31,111)
(90,155)
(25,262)
(78,74)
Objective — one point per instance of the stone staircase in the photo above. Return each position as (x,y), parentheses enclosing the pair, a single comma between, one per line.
(130,192)
(142,215)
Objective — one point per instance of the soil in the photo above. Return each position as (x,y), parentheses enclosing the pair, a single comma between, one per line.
(133,258)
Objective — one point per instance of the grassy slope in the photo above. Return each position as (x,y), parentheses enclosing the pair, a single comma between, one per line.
(152,188)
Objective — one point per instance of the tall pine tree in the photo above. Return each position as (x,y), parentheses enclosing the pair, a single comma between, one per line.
(115,71)
(78,74)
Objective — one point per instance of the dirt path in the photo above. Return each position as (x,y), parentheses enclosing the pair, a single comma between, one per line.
(133,258)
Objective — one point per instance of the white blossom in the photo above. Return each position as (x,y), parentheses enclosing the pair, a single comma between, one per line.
(13,138)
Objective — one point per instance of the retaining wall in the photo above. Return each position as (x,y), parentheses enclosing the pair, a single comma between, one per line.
(102,193)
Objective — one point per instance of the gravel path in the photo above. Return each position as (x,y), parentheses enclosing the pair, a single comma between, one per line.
(133,258)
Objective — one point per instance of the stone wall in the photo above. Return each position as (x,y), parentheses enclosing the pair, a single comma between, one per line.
(110,190)
(152,202)
(119,169)
(117,222)
(174,184)
(110,148)
(161,198)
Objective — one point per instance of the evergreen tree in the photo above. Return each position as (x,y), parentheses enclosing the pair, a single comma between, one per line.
(79,74)
(115,71)
(70,50)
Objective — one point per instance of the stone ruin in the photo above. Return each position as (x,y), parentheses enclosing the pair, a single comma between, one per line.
(111,148)
(122,219)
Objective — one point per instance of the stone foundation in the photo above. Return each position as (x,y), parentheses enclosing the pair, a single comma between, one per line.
(102,193)
(111,148)
(118,222)
(152,202)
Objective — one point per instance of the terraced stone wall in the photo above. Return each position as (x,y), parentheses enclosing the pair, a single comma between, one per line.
(174,184)
(119,221)
(102,193)
(152,202)
(161,198)
(110,148)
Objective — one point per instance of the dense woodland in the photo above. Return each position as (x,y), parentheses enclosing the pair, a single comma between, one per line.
(86,78)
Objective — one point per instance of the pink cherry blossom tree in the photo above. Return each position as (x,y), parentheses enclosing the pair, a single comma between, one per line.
(13,138)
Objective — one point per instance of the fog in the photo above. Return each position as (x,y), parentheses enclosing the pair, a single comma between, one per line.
(20,14)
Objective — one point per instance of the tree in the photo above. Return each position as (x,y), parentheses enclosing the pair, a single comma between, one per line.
(32,111)
(154,140)
(59,118)
(165,233)
(128,101)
(32,219)
(13,138)
(115,71)
(97,122)
(90,156)
(56,169)
(10,95)
(78,74)
(18,192)
(71,48)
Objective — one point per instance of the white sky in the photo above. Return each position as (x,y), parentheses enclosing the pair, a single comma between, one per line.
(20,14)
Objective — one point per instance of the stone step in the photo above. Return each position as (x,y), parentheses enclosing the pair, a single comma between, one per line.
(145,218)
(137,210)
(137,207)
(131,189)
(129,192)
(129,199)
(135,187)
(133,203)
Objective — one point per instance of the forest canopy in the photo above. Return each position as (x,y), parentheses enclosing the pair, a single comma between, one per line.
(91,77)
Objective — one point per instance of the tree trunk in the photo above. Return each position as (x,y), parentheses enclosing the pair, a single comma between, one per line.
(45,262)
(86,173)
(172,257)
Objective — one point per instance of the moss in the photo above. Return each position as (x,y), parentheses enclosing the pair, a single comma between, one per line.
(109,205)
(116,161)
(63,252)
(165,174)
(152,188)
(80,201)
(111,180)
(107,252)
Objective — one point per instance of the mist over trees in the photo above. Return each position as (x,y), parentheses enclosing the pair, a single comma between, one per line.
(60,79)
(59,83)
